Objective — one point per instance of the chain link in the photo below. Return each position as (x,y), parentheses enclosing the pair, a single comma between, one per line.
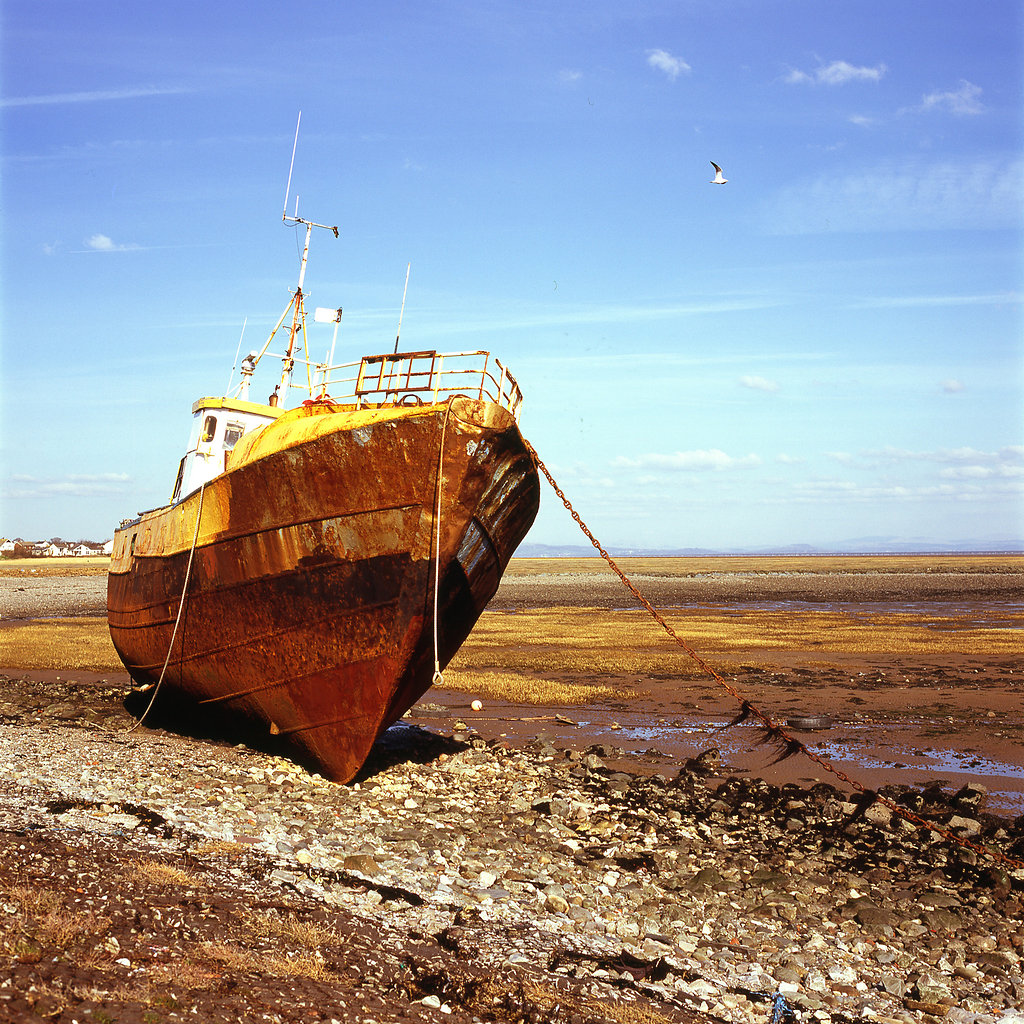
(774,730)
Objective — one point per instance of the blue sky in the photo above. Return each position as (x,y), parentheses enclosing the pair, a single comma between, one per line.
(827,350)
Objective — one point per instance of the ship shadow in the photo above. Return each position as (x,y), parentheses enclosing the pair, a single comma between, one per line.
(401,743)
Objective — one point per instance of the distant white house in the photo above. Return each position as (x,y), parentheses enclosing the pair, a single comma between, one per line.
(48,549)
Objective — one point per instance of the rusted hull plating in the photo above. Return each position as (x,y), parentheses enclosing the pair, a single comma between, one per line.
(310,600)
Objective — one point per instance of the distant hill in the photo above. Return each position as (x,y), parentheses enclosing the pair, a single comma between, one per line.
(856,546)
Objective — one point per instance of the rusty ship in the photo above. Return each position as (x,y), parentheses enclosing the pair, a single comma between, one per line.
(318,566)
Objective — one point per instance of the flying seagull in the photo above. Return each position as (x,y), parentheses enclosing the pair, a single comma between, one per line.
(718,179)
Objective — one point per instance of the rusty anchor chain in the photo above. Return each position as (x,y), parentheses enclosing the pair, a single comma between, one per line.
(774,730)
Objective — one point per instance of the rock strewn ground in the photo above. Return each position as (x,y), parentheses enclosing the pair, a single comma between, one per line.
(471,881)
(664,591)
(27,596)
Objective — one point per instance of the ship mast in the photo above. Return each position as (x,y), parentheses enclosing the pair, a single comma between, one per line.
(297,305)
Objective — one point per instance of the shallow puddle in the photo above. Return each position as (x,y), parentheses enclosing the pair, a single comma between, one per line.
(907,752)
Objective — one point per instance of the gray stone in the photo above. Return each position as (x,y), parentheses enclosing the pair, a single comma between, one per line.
(968,826)
(940,920)
(787,975)
(893,984)
(878,814)
(930,989)
(556,904)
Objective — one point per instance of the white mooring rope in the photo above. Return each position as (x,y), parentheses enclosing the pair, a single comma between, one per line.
(438,677)
(181,605)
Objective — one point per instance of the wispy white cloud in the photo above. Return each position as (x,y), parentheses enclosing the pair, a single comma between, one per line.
(839,72)
(986,472)
(582,475)
(570,75)
(1008,454)
(965,100)
(849,491)
(846,492)
(916,301)
(74,485)
(1009,458)
(657,361)
(759,384)
(104,243)
(128,149)
(953,386)
(454,321)
(844,458)
(664,61)
(97,96)
(27,478)
(707,459)
(979,194)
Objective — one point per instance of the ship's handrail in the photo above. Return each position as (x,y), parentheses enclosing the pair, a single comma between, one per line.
(426,376)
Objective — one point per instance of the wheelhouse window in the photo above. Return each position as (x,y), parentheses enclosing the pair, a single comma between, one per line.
(209,429)
(177,481)
(232,435)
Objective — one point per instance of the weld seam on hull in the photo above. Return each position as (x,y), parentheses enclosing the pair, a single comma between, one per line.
(218,592)
(228,538)
(318,725)
(249,641)
(284,681)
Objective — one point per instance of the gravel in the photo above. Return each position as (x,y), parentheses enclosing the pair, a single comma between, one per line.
(475,881)
(27,596)
(604,590)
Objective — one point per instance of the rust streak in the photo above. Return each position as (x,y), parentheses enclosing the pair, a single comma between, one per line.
(253,639)
(273,685)
(320,725)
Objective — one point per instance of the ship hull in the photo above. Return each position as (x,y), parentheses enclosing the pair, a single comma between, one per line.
(297,589)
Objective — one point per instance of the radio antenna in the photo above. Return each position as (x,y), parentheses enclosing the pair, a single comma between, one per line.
(408,267)
(291,167)
(297,307)
(237,351)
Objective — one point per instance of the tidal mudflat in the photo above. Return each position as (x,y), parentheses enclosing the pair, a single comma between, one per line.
(915,662)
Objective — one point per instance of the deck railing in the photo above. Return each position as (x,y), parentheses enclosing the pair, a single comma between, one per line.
(424,377)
